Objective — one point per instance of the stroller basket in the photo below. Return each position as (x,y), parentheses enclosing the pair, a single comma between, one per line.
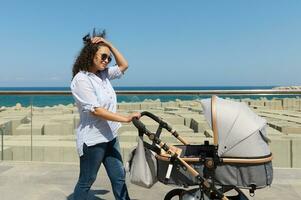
(241,175)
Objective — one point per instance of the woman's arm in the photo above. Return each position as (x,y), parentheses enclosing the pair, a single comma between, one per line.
(120,60)
(107,115)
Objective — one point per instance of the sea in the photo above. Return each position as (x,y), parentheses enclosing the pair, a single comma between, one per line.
(52,100)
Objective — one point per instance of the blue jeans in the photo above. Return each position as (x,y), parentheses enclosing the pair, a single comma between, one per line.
(109,154)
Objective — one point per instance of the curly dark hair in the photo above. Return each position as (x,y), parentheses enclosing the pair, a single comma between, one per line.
(85,58)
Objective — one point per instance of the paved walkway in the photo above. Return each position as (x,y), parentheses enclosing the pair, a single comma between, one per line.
(45,181)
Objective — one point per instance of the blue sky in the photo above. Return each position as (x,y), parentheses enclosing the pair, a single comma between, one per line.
(167,43)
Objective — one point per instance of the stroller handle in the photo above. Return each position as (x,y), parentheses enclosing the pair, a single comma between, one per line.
(141,127)
(162,124)
(157,119)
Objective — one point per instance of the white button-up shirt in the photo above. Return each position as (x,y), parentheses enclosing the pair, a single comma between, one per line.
(91,91)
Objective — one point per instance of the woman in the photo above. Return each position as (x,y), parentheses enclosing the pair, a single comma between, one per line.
(95,97)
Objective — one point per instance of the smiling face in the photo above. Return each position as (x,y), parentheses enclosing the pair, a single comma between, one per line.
(101,59)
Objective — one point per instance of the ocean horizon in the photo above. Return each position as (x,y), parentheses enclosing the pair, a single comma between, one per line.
(51,100)
(143,88)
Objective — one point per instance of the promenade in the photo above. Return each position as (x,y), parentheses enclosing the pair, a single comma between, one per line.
(55,181)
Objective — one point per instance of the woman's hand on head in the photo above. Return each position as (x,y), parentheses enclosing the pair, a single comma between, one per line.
(96,40)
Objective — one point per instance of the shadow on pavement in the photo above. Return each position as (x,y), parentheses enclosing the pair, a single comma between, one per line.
(92,195)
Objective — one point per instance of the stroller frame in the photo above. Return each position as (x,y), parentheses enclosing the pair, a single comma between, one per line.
(207,188)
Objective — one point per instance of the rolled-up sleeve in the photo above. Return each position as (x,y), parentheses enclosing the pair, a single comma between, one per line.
(84,95)
(114,72)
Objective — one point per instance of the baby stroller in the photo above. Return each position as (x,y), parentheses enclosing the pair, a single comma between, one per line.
(239,157)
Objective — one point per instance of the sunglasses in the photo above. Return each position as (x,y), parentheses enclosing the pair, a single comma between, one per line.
(104,57)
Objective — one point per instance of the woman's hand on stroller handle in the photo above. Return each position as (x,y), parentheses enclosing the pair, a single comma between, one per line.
(138,124)
(133,116)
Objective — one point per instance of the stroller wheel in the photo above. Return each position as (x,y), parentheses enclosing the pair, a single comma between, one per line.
(173,193)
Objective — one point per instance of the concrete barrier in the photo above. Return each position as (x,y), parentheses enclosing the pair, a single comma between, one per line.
(149,105)
(25,129)
(281,149)
(7,153)
(55,128)
(129,106)
(296,153)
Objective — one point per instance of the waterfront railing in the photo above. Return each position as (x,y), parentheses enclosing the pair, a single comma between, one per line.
(260,92)
(41,132)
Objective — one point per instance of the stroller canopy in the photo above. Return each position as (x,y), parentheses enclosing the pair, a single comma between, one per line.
(239,131)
